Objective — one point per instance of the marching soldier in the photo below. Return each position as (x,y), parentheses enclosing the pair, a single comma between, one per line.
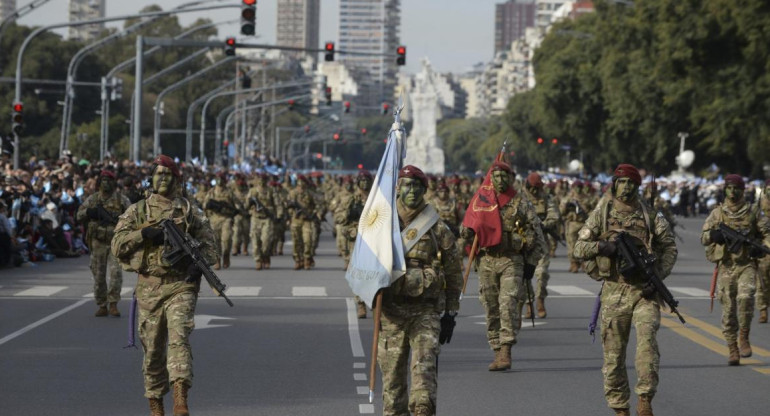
(763,292)
(221,206)
(627,299)
(447,208)
(100,213)
(241,220)
(262,207)
(280,195)
(737,272)
(302,206)
(412,305)
(166,295)
(574,208)
(503,266)
(345,192)
(548,212)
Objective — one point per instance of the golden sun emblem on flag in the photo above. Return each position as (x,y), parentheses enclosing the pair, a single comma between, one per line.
(375,217)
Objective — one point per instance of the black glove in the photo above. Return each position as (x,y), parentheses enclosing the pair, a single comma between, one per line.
(717,237)
(648,290)
(529,271)
(92,213)
(607,248)
(447,327)
(756,252)
(153,235)
(194,273)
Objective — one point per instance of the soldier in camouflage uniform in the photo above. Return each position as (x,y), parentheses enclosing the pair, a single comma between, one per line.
(242,219)
(412,305)
(548,212)
(221,206)
(447,208)
(101,228)
(302,207)
(736,284)
(575,209)
(166,295)
(631,299)
(262,207)
(763,292)
(316,190)
(280,195)
(345,192)
(502,267)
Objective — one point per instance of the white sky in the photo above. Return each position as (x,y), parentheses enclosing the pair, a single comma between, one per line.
(453,34)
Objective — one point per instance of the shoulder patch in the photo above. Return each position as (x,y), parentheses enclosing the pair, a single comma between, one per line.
(660,215)
(584,234)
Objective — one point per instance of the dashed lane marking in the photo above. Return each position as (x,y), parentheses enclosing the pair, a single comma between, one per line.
(308,291)
(569,290)
(691,291)
(243,291)
(366,409)
(41,291)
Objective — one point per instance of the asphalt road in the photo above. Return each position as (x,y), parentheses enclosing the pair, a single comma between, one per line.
(292,346)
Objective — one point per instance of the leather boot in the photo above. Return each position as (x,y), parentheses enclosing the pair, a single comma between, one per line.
(259,265)
(102,311)
(226,261)
(502,359)
(573,266)
(156,407)
(422,410)
(361,309)
(528,313)
(541,313)
(308,264)
(622,412)
(298,264)
(180,399)
(266,262)
(494,366)
(644,406)
(218,264)
(114,309)
(743,340)
(312,262)
(735,357)
(763,316)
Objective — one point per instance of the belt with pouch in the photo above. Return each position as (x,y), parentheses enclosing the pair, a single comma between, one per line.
(162,280)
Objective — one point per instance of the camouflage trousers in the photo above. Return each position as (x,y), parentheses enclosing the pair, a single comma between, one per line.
(540,290)
(223,231)
(240,232)
(261,235)
(279,234)
(340,238)
(571,235)
(736,286)
(500,286)
(166,319)
(349,242)
(763,295)
(100,258)
(622,306)
(314,236)
(408,332)
(302,234)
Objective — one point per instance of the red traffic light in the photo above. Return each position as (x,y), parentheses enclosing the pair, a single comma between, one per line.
(319,156)
(18,107)
(539,140)
(328,90)
(329,46)
(363,131)
(554,141)
(401,50)
(347,104)
(336,136)
(230,41)
(249,2)
(307,129)
(226,143)
(360,166)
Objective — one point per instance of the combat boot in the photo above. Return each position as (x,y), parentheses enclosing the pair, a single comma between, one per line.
(644,406)
(528,313)
(102,311)
(114,309)
(308,264)
(422,410)
(502,359)
(743,339)
(312,262)
(259,265)
(298,264)
(622,412)
(541,308)
(156,407)
(226,261)
(180,399)
(573,267)
(763,316)
(266,262)
(218,264)
(735,357)
(361,309)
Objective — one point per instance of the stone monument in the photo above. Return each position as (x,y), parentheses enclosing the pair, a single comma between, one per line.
(423,147)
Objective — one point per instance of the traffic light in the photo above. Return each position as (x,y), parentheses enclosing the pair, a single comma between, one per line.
(18,118)
(291,105)
(307,129)
(363,131)
(401,58)
(248,17)
(328,93)
(329,57)
(116,91)
(539,140)
(336,137)
(554,141)
(230,46)
(347,106)
(385,108)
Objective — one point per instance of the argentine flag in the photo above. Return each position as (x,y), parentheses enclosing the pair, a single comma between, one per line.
(377,259)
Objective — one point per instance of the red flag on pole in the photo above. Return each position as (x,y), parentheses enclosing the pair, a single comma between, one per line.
(483,213)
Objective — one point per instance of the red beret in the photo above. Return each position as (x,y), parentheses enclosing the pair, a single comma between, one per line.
(767,182)
(347,179)
(577,183)
(363,173)
(442,186)
(107,174)
(301,178)
(733,179)
(500,165)
(535,180)
(410,171)
(625,170)
(165,161)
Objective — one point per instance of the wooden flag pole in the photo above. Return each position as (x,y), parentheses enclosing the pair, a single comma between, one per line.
(375,343)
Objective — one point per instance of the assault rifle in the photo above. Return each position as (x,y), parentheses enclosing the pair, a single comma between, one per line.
(735,240)
(639,260)
(183,246)
(106,217)
(222,207)
(261,208)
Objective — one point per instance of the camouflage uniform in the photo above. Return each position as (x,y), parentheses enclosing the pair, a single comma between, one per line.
(763,295)
(279,226)
(622,303)
(166,302)
(345,192)
(261,230)
(241,230)
(98,237)
(575,209)
(222,220)
(302,205)
(411,320)
(318,216)
(447,209)
(347,214)
(548,212)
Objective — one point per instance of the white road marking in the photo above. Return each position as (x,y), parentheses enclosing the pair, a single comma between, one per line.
(363,390)
(569,290)
(691,291)
(359,365)
(355,336)
(41,291)
(42,321)
(308,291)
(366,409)
(243,291)
(203,321)
(359,377)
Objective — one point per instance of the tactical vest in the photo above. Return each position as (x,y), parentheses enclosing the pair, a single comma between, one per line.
(424,277)
(104,232)
(305,203)
(744,222)
(265,197)
(446,211)
(513,236)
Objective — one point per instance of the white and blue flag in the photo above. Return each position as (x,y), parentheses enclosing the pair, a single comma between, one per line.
(377,259)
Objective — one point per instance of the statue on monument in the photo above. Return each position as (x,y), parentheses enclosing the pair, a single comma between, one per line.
(423,147)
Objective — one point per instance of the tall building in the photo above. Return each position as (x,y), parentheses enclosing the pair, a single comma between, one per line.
(371,26)
(512,18)
(86,10)
(7,7)
(298,25)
